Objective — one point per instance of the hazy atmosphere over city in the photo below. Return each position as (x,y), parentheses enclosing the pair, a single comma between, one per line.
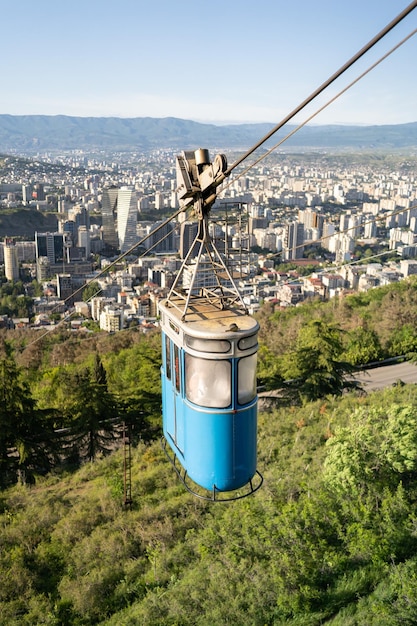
(213,62)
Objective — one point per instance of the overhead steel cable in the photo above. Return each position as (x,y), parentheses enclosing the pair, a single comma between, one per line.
(105,271)
(326,84)
(301,106)
(276,128)
(313,115)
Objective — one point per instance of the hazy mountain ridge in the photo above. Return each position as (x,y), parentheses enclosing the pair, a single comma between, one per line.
(51,132)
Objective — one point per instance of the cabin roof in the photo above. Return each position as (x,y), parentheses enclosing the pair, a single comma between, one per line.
(205,319)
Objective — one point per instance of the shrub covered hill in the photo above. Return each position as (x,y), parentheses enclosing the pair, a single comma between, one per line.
(331,537)
(31,133)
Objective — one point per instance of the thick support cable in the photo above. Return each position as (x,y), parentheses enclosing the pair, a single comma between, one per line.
(318,91)
(301,106)
(326,84)
(130,251)
(313,115)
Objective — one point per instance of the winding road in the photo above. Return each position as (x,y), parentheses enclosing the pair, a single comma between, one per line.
(370,379)
(381,377)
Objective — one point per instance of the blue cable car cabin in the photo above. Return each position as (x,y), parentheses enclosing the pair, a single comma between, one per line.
(209,398)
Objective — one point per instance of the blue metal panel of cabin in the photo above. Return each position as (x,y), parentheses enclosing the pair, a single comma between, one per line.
(172,401)
(220,446)
(179,421)
(166,384)
(168,414)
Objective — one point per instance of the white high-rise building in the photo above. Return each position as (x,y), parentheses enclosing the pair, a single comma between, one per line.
(84,240)
(293,241)
(11,261)
(111,318)
(159,200)
(127,218)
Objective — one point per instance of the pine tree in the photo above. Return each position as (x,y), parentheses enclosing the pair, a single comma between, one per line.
(26,435)
(315,369)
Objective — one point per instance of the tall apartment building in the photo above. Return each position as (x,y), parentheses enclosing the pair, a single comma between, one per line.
(11,261)
(84,240)
(64,287)
(50,254)
(27,191)
(369,227)
(50,245)
(111,318)
(119,210)
(109,217)
(328,232)
(310,218)
(127,218)
(188,233)
(292,247)
(38,192)
(163,240)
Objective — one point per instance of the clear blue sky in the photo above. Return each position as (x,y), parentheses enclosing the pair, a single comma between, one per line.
(215,61)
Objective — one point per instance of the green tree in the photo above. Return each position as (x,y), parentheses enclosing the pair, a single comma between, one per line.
(26,435)
(91,411)
(363,346)
(269,376)
(16,305)
(315,369)
(376,450)
(99,373)
(403,340)
(91,290)
(36,288)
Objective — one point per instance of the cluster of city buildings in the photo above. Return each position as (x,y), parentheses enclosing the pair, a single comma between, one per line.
(105,209)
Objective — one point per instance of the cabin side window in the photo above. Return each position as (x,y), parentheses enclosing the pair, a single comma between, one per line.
(177,367)
(168,356)
(208,345)
(248,342)
(246,377)
(208,383)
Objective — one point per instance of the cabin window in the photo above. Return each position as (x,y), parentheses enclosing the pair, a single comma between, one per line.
(248,342)
(208,383)
(174,328)
(168,356)
(177,367)
(246,377)
(208,345)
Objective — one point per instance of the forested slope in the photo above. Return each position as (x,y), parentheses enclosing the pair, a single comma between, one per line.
(331,536)
(63,132)
(354,330)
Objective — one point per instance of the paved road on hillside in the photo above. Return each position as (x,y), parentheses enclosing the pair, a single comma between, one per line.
(371,379)
(381,377)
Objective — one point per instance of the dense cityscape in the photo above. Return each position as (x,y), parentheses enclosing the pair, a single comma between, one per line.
(295,226)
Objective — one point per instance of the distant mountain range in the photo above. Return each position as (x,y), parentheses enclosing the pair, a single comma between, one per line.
(30,133)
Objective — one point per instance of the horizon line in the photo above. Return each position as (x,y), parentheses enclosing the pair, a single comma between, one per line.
(198,121)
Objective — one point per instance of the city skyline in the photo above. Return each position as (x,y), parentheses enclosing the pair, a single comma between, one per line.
(216,63)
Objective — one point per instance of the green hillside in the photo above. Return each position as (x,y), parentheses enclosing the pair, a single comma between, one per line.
(27,133)
(25,222)
(329,538)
